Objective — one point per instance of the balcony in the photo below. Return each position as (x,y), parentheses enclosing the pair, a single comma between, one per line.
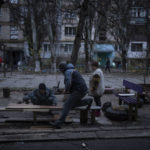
(138,21)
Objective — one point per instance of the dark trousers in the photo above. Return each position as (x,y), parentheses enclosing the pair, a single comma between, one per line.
(74,100)
(37,101)
(97,100)
(107,68)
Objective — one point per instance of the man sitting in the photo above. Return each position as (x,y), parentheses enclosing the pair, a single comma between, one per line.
(41,96)
(75,84)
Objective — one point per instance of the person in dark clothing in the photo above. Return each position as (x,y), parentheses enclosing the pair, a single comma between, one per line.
(107,65)
(75,84)
(41,96)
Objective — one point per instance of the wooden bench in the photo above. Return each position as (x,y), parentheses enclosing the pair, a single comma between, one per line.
(131,100)
(38,108)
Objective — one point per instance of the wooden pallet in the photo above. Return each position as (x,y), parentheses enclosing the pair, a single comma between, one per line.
(39,108)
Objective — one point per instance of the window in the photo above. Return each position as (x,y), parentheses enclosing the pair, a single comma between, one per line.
(46,48)
(14,32)
(14,1)
(12,19)
(102,35)
(138,12)
(70,31)
(68,48)
(142,12)
(136,47)
(70,15)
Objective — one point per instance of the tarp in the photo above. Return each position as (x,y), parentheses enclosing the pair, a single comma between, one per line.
(105,48)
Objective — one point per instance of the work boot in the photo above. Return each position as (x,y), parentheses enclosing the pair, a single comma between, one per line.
(55,125)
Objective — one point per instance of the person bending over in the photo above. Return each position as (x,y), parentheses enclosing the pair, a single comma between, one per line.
(41,96)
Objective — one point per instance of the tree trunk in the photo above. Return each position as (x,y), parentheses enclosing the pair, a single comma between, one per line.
(78,38)
(53,49)
(34,41)
(86,49)
(124,61)
(53,58)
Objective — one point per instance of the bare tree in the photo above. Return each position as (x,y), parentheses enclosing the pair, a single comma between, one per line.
(34,34)
(77,42)
(91,16)
(119,18)
(86,48)
(87,34)
(53,19)
(33,18)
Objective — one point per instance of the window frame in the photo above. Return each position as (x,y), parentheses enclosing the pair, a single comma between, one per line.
(138,12)
(13,1)
(46,47)
(70,15)
(70,31)
(68,48)
(135,48)
(14,32)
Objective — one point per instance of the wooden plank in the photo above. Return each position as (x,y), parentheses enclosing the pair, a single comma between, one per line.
(2,108)
(85,107)
(36,110)
(30,106)
(41,107)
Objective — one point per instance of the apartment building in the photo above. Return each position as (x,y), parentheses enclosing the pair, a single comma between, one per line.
(138,39)
(11,36)
(68,26)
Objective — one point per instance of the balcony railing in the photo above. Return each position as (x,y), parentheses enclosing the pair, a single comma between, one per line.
(138,20)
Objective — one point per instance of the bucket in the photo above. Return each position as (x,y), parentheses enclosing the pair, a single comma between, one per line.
(6,92)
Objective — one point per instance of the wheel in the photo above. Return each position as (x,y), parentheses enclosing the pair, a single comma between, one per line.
(106,105)
(116,114)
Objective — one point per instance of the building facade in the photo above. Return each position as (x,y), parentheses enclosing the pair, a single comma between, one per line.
(140,15)
(11,36)
(17,48)
(69,22)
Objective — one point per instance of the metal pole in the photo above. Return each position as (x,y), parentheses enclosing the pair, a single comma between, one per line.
(11,62)
(4,71)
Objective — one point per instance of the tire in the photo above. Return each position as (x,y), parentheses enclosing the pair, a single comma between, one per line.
(105,106)
(116,115)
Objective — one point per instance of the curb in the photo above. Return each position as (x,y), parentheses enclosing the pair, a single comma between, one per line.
(72,134)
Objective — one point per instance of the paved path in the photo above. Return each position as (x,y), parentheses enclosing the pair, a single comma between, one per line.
(18,80)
